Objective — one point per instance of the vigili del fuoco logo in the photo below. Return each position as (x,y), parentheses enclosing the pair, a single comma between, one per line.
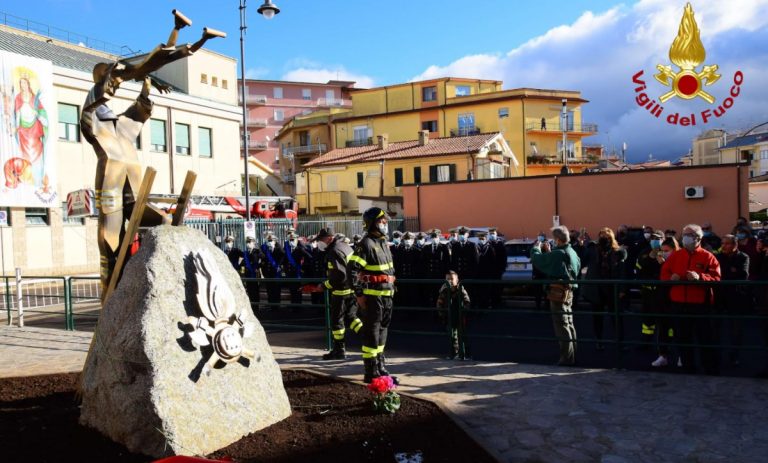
(687,54)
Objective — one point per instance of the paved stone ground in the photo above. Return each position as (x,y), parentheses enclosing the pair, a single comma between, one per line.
(523,412)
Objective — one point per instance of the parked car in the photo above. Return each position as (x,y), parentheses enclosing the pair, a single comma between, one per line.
(519,265)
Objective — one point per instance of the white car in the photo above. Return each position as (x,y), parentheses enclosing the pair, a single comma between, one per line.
(519,265)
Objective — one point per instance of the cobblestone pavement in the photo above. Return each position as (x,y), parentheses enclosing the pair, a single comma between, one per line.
(523,412)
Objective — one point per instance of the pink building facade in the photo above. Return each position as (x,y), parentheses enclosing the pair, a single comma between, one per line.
(272,103)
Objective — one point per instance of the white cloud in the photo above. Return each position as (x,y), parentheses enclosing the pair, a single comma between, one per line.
(599,52)
(323,75)
(256,73)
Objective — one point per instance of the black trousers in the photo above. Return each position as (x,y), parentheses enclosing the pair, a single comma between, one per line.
(252,289)
(376,317)
(343,309)
(698,330)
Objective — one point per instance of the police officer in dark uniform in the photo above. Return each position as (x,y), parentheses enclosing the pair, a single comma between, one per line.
(407,263)
(464,259)
(314,267)
(497,243)
(343,303)
(373,276)
(234,254)
(486,270)
(435,260)
(271,267)
(292,266)
(250,267)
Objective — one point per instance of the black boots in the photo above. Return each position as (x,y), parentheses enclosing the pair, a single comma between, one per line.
(337,353)
(381,365)
(370,370)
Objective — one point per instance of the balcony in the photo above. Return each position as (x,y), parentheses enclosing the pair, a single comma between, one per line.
(306,149)
(361,142)
(557,158)
(254,99)
(466,131)
(335,102)
(257,122)
(557,129)
(258,145)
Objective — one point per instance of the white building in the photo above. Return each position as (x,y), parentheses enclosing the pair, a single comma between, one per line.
(194,127)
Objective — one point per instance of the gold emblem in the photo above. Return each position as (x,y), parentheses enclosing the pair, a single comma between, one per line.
(687,52)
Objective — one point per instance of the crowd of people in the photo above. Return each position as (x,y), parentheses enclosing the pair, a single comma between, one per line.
(673,316)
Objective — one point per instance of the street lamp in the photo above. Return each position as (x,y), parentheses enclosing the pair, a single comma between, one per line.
(268,10)
(564,121)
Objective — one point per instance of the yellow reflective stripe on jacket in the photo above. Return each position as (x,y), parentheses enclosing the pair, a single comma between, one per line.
(359,260)
(356,325)
(342,292)
(327,284)
(379,268)
(330,266)
(378,292)
(370,352)
(648,329)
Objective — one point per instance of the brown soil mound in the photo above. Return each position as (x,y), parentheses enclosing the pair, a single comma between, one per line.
(332,421)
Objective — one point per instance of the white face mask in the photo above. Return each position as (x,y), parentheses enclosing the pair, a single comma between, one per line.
(251,246)
(228,246)
(293,243)
(483,241)
(314,244)
(647,236)
(420,242)
(383,228)
(321,245)
(396,241)
(271,245)
(493,236)
(408,243)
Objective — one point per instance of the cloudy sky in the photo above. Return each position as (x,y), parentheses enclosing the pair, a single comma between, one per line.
(591,46)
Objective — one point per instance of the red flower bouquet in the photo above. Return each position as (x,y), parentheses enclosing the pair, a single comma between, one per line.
(385,399)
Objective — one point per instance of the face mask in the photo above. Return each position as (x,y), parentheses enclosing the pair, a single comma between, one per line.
(271,245)
(483,241)
(647,236)
(493,236)
(420,242)
(655,244)
(229,246)
(408,243)
(689,242)
(321,245)
(542,238)
(396,241)
(383,228)
(666,254)
(314,244)
(462,238)
(251,246)
(293,243)
(741,236)
(454,238)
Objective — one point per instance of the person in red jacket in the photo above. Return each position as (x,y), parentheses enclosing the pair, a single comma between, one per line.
(693,263)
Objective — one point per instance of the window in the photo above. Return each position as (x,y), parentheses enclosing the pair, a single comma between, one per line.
(330,96)
(157,135)
(429,125)
(503,112)
(36,216)
(429,94)
(205,147)
(70,220)
(360,180)
(69,122)
(489,169)
(463,90)
(182,139)
(398,177)
(203,78)
(763,154)
(417,174)
(224,84)
(569,123)
(331,183)
(306,93)
(277,92)
(442,173)
(466,124)
(570,149)
(279,115)
(361,132)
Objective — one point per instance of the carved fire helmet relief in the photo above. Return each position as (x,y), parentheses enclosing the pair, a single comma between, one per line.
(221,325)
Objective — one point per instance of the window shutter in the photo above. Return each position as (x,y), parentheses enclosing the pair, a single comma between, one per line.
(432,174)
(398,177)
(417,175)
(452,169)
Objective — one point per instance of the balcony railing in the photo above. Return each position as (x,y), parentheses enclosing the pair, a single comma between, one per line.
(306,149)
(258,145)
(361,142)
(257,122)
(556,127)
(333,102)
(254,99)
(465,131)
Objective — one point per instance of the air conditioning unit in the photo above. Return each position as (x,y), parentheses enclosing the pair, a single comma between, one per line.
(694,192)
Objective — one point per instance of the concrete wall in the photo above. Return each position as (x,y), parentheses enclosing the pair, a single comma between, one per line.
(522,207)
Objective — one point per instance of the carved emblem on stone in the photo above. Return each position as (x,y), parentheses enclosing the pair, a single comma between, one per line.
(221,325)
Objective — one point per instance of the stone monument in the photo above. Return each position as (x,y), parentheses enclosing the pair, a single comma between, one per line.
(179,364)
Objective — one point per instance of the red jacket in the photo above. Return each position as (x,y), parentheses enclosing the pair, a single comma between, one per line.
(700,261)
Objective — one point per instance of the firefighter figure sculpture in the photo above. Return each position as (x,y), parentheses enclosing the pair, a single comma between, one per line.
(373,280)
(343,304)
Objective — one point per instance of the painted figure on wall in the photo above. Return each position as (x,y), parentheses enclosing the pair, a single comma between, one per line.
(118,171)
(31,121)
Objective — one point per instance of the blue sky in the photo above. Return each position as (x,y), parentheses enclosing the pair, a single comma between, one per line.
(594,47)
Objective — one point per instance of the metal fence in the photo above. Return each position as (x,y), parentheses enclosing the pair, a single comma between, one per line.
(218,230)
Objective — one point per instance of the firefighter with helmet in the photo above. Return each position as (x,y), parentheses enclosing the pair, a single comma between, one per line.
(373,278)
(342,300)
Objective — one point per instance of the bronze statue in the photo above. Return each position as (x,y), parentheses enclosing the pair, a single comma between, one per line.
(118,172)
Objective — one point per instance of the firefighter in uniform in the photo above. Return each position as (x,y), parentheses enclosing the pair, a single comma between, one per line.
(343,304)
(373,279)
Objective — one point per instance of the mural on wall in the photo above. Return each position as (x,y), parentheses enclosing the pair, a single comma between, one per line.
(27,132)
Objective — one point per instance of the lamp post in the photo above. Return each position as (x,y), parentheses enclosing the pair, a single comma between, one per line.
(564,121)
(268,10)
